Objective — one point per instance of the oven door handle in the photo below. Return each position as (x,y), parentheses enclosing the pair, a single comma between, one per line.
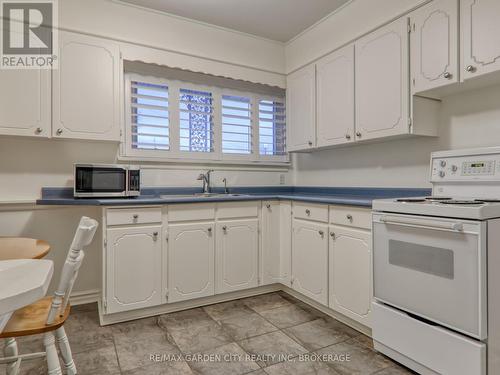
(395,220)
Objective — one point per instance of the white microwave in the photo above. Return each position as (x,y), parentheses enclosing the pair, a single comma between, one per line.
(106,181)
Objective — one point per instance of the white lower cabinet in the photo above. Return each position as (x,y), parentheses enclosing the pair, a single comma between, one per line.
(237,255)
(310,259)
(275,261)
(350,272)
(190,261)
(133,277)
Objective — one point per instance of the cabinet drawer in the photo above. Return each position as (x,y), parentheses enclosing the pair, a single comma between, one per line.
(237,209)
(351,216)
(139,215)
(308,211)
(191,212)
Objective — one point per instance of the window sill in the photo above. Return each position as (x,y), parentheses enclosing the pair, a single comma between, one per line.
(282,165)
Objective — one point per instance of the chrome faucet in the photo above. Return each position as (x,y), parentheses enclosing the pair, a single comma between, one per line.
(205,177)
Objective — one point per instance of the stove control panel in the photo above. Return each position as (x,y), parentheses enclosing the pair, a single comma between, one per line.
(465,168)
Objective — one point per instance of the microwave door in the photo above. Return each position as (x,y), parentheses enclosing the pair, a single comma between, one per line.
(100,181)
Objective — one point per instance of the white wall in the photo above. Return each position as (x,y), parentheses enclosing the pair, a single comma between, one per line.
(169,33)
(355,19)
(27,165)
(468,119)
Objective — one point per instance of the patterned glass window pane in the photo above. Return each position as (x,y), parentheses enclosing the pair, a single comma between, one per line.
(150,116)
(272,127)
(196,121)
(236,125)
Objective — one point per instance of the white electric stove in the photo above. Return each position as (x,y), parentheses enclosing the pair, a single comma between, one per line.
(436,266)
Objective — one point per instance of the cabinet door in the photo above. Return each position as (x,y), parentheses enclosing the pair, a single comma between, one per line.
(133,268)
(434,45)
(310,260)
(190,261)
(350,273)
(335,96)
(480,37)
(382,78)
(86,89)
(236,255)
(301,109)
(276,242)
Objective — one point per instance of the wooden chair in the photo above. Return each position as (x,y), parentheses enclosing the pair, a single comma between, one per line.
(47,316)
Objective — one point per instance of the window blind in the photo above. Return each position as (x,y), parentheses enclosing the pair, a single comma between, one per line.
(150,116)
(196,120)
(272,127)
(236,124)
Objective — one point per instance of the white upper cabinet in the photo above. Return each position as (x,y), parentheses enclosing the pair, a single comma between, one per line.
(382,78)
(301,109)
(25,102)
(237,255)
(86,89)
(350,273)
(190,261)
(310,260)
(133,276)
(480,37)
(434,45)
(335,97)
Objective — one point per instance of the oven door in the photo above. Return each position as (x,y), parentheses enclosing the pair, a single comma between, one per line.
(100,181)
(434,268)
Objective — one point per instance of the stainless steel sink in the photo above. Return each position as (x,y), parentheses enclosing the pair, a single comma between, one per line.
(201,195)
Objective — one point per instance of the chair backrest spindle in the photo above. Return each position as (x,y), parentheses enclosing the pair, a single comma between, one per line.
(83,237)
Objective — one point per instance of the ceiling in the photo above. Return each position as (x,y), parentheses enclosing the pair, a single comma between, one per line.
(278,20)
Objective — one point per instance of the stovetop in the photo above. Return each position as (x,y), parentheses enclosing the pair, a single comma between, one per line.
(454,207)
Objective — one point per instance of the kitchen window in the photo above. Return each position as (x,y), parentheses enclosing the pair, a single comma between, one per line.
(173,120)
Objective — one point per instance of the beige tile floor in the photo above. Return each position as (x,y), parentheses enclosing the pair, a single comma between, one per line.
(271,334)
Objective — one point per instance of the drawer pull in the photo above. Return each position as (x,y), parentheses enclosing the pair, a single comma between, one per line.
(349,217)
(308,212)
(268,206)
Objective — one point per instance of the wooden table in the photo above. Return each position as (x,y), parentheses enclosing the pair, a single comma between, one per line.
(22,248)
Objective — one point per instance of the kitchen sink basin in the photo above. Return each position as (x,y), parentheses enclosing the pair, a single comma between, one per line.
(201,195)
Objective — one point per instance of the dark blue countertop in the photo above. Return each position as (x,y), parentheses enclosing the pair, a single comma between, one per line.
(355,196)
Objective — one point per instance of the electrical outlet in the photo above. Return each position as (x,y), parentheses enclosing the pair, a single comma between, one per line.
(282,179)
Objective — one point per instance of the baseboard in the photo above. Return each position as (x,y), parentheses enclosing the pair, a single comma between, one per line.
(84,297)
(106,319)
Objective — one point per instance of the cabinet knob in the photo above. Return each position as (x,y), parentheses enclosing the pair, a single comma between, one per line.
(209,230)
(470,68)
(448,75)
(349,217)
(310,143)
(155,236)
(224,228)
(358,134)
(135,216)
(268,206)
(332,234)
(308,212)
(347,136)
(38,130)
(59,131)
(321,233)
